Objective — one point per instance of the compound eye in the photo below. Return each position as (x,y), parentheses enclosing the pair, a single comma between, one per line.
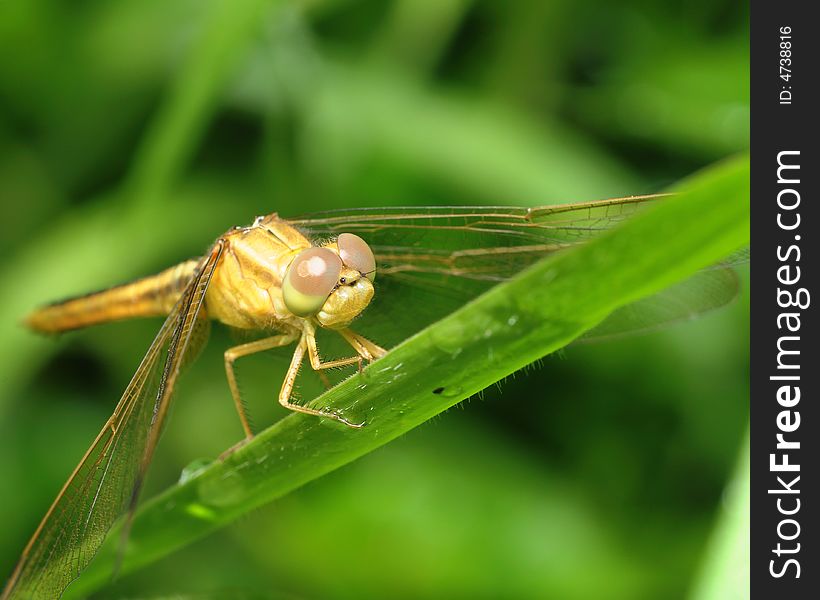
(356,254)
(309,280)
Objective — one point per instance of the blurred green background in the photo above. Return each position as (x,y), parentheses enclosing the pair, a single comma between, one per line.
(133,133)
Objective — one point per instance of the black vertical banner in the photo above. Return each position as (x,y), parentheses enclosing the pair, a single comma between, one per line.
(785,558)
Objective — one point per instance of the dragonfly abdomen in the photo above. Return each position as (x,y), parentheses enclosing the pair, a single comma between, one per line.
(147,297)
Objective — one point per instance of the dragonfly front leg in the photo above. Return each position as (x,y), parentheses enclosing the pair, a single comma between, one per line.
(305,345)
(316,362)
(231,354)
(366,349)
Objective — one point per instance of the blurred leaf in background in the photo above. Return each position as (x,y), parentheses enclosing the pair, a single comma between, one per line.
(132,133)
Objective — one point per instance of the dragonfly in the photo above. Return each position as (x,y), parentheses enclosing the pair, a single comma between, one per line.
(290,278)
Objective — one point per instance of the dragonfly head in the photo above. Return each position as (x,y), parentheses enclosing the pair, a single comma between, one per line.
(334,283)
(346,301)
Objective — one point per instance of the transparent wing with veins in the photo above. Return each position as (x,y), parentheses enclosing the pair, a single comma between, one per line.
(431,260)
(107,481)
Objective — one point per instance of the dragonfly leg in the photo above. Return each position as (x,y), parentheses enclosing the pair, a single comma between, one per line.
(290,379)
(231,354)
(316,361)
(366,349)
(325,380)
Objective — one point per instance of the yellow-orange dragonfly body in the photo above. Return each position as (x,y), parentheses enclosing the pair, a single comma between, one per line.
(288,278)
(267,277)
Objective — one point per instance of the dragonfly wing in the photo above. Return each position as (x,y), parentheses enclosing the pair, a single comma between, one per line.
(106,482)
(472,242)
(704,291)
(441,257)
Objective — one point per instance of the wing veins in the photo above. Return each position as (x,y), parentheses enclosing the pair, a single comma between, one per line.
(31,574)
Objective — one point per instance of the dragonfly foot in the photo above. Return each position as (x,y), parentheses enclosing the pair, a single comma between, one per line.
(234,448)
(344,421)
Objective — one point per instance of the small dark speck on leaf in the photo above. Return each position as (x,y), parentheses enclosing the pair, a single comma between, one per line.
(438,390)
